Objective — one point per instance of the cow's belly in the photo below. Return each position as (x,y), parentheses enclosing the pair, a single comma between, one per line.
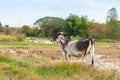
(74,52)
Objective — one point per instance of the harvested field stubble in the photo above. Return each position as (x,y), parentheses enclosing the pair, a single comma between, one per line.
(106,57)
(107,52)
(48,64)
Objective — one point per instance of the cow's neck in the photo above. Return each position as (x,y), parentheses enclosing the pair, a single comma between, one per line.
(62,45)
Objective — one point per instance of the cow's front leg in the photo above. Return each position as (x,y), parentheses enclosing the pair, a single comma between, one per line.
(67,57)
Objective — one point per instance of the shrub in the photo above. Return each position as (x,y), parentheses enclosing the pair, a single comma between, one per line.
(20,38)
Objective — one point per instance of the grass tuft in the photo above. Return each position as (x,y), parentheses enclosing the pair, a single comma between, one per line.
(61,69)
(5,59)
(76,71)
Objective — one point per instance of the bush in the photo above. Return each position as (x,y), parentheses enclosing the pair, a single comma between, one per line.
(20,38)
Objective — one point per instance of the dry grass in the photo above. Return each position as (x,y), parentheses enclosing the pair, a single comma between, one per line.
(40,64)
(35,68)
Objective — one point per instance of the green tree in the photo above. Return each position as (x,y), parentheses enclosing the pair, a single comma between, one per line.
(7,31)
(25,29)
(1,27)
(77,26)
(34,31)
(50,25)
(113,24)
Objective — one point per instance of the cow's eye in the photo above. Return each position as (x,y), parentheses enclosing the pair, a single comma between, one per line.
(62,38)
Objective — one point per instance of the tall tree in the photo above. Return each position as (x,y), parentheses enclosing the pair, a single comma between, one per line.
(25,29)
(113,24)
(50,25)
(77,26)
(1,27)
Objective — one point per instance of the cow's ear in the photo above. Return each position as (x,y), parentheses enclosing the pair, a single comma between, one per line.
(61,33)
(63,41)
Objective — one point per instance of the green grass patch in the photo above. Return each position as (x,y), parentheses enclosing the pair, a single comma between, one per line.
(75,71)
(26,45)
(104,44)
(14,72)
(7,41)
(5,59)
(61,69)
(15,69)
(42,45)
(38,38)
(108,40)
(5,38)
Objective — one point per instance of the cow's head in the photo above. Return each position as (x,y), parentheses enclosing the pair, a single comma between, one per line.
(59,37)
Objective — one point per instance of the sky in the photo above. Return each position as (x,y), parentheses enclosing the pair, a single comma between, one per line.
(26,12)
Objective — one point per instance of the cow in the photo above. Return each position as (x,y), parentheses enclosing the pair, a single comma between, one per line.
(77,48)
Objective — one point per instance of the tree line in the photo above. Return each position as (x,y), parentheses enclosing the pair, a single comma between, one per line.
(73,25)
(81,26)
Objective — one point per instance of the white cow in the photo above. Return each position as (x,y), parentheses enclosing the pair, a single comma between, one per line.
(75,48)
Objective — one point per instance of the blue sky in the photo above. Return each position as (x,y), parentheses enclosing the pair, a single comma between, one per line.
(21,12)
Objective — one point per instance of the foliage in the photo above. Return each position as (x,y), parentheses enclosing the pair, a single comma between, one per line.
(113,24)
(32,32)
(20,38)
(73,25)
(25,29)
(77,25)
(28,31)
(50,25)
(98,31)
(7,30)
(0,24)
(1,27)
(112,15)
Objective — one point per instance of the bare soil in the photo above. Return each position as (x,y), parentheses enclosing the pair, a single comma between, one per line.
(105,57)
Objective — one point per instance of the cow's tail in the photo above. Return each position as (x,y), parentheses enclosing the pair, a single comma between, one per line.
(92,51)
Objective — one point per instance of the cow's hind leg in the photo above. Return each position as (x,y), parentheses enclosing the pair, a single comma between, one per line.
(92,55)
(83,57)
